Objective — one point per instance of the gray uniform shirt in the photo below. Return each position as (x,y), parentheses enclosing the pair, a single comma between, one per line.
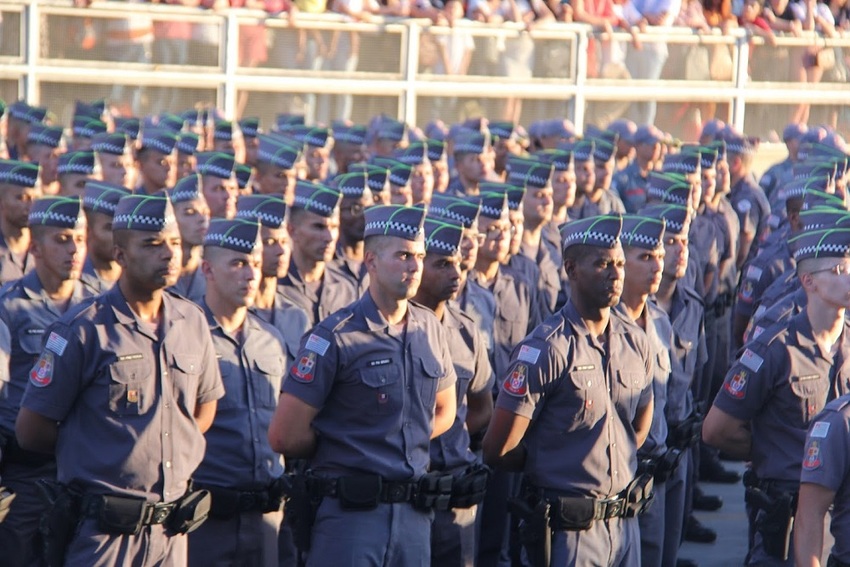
(688,353)
(609,203)
(335,292)
(290,321)
(581,397)
(124,394)
(13,267)
(375,386)
(93,281)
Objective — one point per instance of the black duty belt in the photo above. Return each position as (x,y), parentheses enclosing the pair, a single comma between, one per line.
(391,492)
(153,513)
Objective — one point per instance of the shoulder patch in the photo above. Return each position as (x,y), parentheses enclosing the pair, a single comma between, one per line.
(302,371)
(516,384)
(819,430)
(317,344)
(812,460)
(754,273)
(737,385)
(528,354)
(751,360)
(56,343)
(41,374)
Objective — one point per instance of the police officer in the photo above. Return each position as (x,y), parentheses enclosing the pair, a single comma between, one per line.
(644,251)
(125,411)
(21,117)
(218,183)
(778,174)
(823,488)
(356,196)
(317,153)
(371,386)
(100,271)
(289,320)
(349,146)
(591,198)
(187,149)
(453,537)
(193,218)
(250,128)
(781,381)
(314,228)
(44,145)
(276,159)
(113,155)
(470,164)
(593,366)
(28,307)
(415,155)
(630,183)
(156,160)
(74,170)
(239,468)
(19,186)
(746,197)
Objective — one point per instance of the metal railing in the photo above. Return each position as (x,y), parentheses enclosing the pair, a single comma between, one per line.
(43,59)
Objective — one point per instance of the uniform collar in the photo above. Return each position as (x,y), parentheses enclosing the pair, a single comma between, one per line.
(570,313)
(375,321)
(171,310)
(451,317)
(214,325)
(32,287)
(805,337)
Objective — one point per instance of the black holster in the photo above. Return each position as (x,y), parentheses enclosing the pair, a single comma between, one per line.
(359,492)
(301,509)
(661,468)
(59,522)
(469,488)
(685,434)
(6,498)
(434,491)
(190,512)
(777,520)
(535,533)
(638,495)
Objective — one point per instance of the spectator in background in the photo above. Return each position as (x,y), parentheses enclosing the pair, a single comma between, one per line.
(454,53)
(646,59)
(129,40)
(171,47)
(751,19)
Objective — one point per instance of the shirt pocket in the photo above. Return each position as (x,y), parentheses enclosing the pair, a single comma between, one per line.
(381,383)
(810,393)
(428,372)
(266,375)
(131,388)
(629,388)
(31,341)
(185,374)
(234,385)
(589,401)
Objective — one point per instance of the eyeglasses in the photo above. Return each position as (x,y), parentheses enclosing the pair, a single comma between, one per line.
(838,270)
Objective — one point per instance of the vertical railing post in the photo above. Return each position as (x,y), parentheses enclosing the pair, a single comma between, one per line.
(410,56)
(31,36)
(580,56)
(739,102)
(230,41)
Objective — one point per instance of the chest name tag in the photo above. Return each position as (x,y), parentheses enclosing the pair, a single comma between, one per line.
(126,357)
(586,367)
(808,377)
(35,331)
(381,362)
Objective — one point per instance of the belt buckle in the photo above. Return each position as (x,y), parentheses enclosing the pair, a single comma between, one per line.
(247,501)
(614,508)
(397,492)
(160,512)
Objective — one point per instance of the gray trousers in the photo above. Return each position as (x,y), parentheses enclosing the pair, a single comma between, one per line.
(608,543)
(20,542)
(453,538)
(153,547)
(247,540)
(661,525)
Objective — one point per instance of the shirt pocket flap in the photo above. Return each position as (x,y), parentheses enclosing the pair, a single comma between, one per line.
(380,376)
(130,372)
(187,363)
(633,380)
(271,365)
(431,366)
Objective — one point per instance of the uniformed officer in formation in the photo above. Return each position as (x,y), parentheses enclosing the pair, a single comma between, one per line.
(371,386)
(27,309)
(19,186)
(595,366)
(192,215)
(122,392)
(780,382)
(100,270)
(240,469)
(453,536)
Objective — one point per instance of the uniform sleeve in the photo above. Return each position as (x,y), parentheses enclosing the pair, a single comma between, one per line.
(532,370)
(750,382)
(752,284)
(825,458)
(57,377)
(450,378)
(646,394)
(311,376)
(483,377)
(210,385)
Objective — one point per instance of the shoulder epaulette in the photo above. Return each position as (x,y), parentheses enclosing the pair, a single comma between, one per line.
(547,329)
(337,319)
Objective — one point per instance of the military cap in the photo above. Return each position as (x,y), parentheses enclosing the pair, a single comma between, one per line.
(642,232)
(470,142)
(624,128)
(268,210)
(681,163)
(739,144)
(352,184)
(518,168)
(76,162)
(186,189)
(436,130)
(113,143)
(243,174)
(250,127)
(581,150)
(601,231)
(394,220)
(350,134)
(376,175)
(814,198)
(712,129)
(217,164)
(61,212)
(192,117)
(19,173)
(647,134)
(502,129)
(85,127)
(390,129)
(318,137)
(129,126)
(171,122)
(798,188)
(707,157)
(463,211)
(414,154)
(603,151)
(45,135)
(821,218)
(828,243)
(494,205)
(159,139)
(442,237)
(809,169)
(225,130)
(555,128)
(316,198)
(436,149)
(676,217)
(102,197)
(513,193)
(277,151)
(187,143)
(148,213)
(561,160)
(237,234)
(20,110)
(285,121)
(668,188)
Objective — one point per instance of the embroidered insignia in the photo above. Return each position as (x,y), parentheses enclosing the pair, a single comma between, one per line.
(41,374)
(751,360)
(56,343)
(517,383)
(136,356)
(747,290)
(303,371)
(820,430)
(528,354)
(754,273)
(757,331)
(317,344)
(132,396)
(812,460)
(381,362)
(737,386)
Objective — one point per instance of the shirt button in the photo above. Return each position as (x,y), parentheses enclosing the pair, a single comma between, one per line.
(168,464)
(615,473)
(165,434)
(590,383)
(383,380)
(167,405)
